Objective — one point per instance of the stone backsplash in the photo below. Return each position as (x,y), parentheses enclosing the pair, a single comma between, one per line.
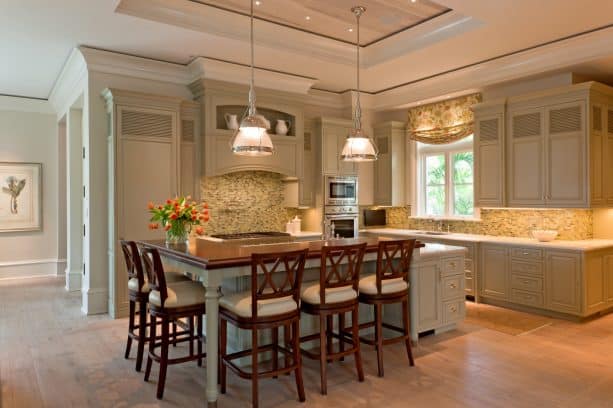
(571,224)
(245,202)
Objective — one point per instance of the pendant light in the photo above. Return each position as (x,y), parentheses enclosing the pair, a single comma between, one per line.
(358,147)
(251,138)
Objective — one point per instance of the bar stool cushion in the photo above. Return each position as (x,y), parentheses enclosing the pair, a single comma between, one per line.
(368,285)
(171,277)
(310,294)
(240,304)
(179,295)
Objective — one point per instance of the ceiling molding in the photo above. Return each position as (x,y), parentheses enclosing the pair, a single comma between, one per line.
(554,55)
(205,68)
(24,104)
(70,84)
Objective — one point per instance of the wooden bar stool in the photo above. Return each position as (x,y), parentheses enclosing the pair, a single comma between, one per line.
(138,294)
(336,293)
(389,285)
(170,303)
(272,302)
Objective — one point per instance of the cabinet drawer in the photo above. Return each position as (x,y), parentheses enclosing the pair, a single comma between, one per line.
(527,253)
(452,266)
(453,311)
(529,283)
(526,267)
(526,298)
(452,287)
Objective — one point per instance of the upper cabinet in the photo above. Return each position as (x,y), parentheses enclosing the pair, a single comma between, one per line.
(489,154)
(329,135)
(557,152)
(389,169)
(223,104)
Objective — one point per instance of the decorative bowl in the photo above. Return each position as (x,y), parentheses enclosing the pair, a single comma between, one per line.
(545,235)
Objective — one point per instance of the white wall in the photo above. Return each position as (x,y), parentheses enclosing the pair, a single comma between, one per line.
(32,137)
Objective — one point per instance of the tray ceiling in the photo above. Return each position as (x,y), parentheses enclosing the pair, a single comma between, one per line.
(333,19)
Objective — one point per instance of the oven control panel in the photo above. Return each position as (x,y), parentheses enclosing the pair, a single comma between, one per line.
(341,209)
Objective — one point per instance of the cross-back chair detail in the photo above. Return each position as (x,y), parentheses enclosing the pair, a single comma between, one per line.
(133,263)
(288,267)
(155,271)
(334,273)
(393,260)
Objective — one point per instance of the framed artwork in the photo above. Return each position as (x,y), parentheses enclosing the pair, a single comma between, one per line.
(20,197)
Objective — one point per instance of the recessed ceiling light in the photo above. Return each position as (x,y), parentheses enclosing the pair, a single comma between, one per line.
(257,3)
(307,18)
(350,30)
(413,1)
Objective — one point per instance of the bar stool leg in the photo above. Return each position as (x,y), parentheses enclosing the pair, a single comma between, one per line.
(297,359)
(254,369)
(322,355)
(163,357)
(330,330)
(379,338)
(287,341)
(190,326)
(142,330)
(130,328)
(356,343)
(406,323)
(341,329)
(152,336)
(275,349)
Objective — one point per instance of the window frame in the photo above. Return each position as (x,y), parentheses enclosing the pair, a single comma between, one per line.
(448,151)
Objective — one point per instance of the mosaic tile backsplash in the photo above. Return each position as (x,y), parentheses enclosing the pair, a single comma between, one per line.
(245,202)
(571,224)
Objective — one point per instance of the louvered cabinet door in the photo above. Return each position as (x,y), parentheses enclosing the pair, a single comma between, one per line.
(489,161)
(607,127)
(565,155)
(526,168)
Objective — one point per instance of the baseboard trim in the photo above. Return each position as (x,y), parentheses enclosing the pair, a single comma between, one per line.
(28,268)
(73,280)
(95,301)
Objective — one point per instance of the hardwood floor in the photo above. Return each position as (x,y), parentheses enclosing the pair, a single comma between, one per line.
(52,356)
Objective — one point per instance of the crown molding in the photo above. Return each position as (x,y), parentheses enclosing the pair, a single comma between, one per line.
(70,84)
(24,104)
(131,65)
(553,56)
(206,68)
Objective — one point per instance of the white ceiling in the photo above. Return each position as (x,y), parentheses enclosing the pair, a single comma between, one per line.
(38,35)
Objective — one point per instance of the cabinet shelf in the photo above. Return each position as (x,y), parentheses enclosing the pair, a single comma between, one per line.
(270,114)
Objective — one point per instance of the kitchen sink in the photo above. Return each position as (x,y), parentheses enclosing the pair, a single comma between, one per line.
(433,232)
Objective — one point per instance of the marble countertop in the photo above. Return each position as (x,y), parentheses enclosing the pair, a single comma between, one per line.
(580,245)
(306,234)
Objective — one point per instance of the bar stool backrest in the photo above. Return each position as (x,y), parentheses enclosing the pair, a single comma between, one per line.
(133,263)
(394,260)
(155,271)
(335,272)
(276,275)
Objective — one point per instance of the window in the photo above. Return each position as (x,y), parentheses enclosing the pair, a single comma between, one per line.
(446,182)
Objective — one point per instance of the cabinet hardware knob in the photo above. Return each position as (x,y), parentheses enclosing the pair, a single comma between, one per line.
(454,309)
(526,253)
(452,285)
(526,281)
(452,264)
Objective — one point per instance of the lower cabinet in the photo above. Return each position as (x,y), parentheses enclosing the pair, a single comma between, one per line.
(562,277)
(494,272)
(437,295)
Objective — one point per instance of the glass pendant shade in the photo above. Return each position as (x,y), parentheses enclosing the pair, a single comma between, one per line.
(359,148)
(252,139)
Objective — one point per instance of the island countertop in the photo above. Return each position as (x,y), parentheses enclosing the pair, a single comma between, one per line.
(217,255)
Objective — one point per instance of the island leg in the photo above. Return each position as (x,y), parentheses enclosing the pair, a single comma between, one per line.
(212,296)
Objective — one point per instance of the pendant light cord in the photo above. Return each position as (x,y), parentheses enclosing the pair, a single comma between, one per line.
(251,83)
(358,109)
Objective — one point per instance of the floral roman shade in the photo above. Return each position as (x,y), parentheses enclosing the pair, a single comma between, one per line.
(443,122)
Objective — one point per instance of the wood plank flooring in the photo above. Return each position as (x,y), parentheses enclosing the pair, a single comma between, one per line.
(52,356)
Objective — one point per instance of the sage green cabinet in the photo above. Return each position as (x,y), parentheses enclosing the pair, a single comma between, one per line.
(563,281)
(389,168)
(494,272)
(329,135)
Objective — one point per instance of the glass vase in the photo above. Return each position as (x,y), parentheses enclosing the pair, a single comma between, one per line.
(178,233)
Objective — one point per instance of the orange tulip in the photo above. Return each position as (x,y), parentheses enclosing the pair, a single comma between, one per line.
(168,201)
(194,217)
(205,212)
(205,218)
(160,207)
(205,205)
(174,216)
(150,205)
(199,230)
(167,227)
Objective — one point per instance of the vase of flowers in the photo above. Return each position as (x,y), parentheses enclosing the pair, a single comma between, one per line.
(178,217)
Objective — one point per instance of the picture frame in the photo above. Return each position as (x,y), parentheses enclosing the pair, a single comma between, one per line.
(21,196)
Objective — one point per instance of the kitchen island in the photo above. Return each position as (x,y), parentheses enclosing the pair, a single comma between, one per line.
(436,289)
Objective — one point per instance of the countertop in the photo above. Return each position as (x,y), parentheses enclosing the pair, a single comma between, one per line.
(306,234)
(209,254)
(580,245)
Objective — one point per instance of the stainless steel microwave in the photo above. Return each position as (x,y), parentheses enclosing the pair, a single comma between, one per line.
(341,190)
